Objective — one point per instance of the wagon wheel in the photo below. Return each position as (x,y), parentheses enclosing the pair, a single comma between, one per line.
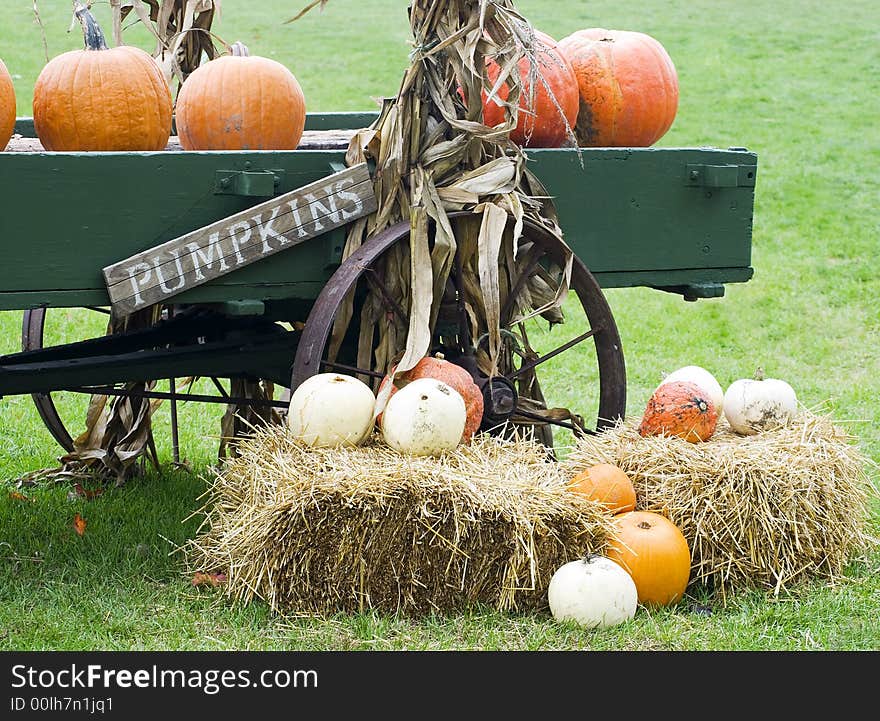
(33,332)
(63,411)
(538,387)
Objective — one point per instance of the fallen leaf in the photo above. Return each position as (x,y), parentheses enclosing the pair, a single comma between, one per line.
(79,524)
(212,579)
(85,493)
(16,496)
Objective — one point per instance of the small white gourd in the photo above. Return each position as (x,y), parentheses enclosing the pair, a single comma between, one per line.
(752,405)
(331,409)
(594,591)
(424,418)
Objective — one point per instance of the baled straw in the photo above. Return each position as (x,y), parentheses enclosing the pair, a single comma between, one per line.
(759,512)
(347,529)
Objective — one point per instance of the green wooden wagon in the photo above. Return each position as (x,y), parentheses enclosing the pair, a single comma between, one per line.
(674,219)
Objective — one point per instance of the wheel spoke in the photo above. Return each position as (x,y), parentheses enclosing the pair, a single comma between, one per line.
(561,349)
(576,428)
(219,386)
(351,369)
(376,283)
(521,280)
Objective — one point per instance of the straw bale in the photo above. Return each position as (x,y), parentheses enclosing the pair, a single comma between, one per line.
(767,511)
(348,529)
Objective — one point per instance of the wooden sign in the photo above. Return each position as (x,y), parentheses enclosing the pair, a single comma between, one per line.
(178,265)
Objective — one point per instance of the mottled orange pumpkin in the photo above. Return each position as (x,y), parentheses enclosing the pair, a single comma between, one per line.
(102,98)
(628,87)
(542,124)
(608,484)
(656,554)
(240,102)
(680,408)
(7,106)
(452,375)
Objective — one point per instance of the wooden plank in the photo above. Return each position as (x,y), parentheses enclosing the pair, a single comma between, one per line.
(334,139)
(207,253)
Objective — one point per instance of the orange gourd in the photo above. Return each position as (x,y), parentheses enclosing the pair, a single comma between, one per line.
(101,98)
(608,484)
(240,102)
(7,106)
(545,123)
(452,375)
(628,87)
(680,408)
(655,552)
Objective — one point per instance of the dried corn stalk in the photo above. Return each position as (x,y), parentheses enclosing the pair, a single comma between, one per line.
(182,29)
(433,155)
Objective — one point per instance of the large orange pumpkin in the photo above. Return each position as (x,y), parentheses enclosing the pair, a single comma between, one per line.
(628,87)
(543,123)
(656,554)
(608,484)
(680,408)
(102,98)
(7,106)
(452,375)
(241,102)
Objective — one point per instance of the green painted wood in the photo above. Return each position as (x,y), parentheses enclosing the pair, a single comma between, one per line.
(633,209)
(634,215)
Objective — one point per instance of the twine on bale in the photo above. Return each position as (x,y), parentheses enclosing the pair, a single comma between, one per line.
(767,511)
(312,530)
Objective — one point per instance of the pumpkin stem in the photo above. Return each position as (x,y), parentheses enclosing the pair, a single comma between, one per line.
(759,374)
(92,33)
(239,50)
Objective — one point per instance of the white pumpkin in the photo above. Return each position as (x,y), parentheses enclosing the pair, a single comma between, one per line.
(703,379)
(595,592)
(752,405)
(424,418)
(331,409)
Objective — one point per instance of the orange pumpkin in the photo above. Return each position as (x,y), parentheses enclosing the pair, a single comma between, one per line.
(102,98)
(656,554)
(608,484)
(452,375)
(241,102)
(680,408)
(628,87)
(7,106)
(543,123)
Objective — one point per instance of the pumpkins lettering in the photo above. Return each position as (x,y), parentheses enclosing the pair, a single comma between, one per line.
(542,122)
(679,408)
(627,86)
(7,106)
(240,102)
(102,99)
(655,553)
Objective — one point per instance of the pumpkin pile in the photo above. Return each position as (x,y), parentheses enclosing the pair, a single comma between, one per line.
(594,87)
(118,99)
(764,509)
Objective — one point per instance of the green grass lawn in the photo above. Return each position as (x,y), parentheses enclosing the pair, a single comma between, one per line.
(797,82)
